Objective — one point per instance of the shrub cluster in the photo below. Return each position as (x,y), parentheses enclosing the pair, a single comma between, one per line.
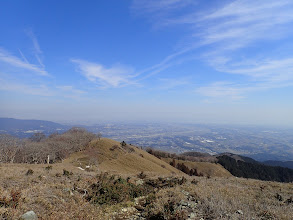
(12,201)
(185,169)
(38,147)
(161,206)
(112,190)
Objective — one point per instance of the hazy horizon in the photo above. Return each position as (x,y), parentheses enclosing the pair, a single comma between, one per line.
(114,122)
(215,62)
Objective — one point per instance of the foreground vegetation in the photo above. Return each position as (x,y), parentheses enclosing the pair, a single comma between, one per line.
(89,177)
(61,191)
(41,149)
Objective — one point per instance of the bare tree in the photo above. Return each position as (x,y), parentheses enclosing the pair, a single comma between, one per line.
(37,137)
(99,136)
(9,147)
(39,149)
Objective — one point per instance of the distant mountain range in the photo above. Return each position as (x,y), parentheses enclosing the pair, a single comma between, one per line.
(274,163)
(288,164)
(14,124)
(25,128)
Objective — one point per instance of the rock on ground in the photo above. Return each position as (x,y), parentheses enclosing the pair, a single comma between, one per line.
(31,215)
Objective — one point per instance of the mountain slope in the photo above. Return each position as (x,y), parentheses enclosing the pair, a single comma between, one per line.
(238,157)
(110,155)
(288,164)
(244,169)
(68,190)
(203,168)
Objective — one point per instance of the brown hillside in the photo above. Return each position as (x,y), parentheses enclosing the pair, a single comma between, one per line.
(53,194)
(205,168)
(110,155)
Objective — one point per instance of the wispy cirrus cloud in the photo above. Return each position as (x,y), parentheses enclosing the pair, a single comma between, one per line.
(14,61)
(238,23)
(115,76)
(220,35)
(18,75)
(36,47)
(223,90)
(260,77)
(39,88)
(235,91)
(25,88)
(244,23)
(277,70)
(19,64)
(159,6)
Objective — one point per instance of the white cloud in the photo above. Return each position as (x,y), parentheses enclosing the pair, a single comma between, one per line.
(14,61)
(248,7)
(18,75)
(45,89)
(242,22)
(22,56)
(158,6)
(20,87)
(222,33)
(237,23)
(37,49)
(223,90)
(279,70)
(115,76)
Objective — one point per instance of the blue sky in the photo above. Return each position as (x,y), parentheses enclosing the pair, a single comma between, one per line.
(215,61)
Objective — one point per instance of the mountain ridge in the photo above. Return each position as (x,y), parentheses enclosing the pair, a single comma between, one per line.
(288,164)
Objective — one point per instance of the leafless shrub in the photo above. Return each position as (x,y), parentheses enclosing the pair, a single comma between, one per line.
(141,175)
(38,148)
(195,182)
(67,173)
(99,136)
(29,172)
(37,137)
(13,201)
(92,154)
(9,148)
(129,149)
(48,168)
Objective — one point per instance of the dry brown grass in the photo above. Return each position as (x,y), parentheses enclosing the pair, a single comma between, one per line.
(221,198)
(119,160)
(205,168)
(53,195)
(50,194)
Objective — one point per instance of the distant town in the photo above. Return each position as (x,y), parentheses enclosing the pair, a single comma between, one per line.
(260,143)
